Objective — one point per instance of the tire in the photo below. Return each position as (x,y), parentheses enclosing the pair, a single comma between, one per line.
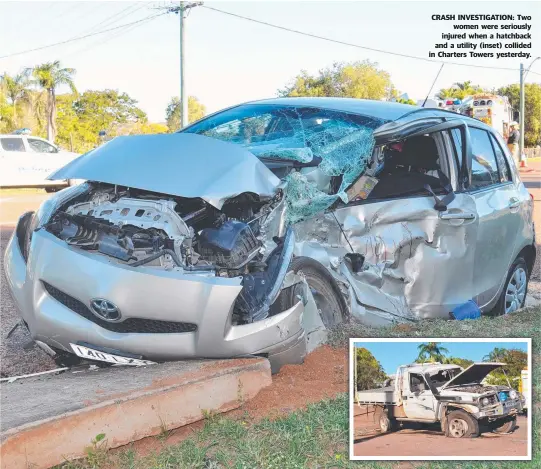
(518,274)
(460,424)
(508,426)
(329,300)
(50,189)
(386,424)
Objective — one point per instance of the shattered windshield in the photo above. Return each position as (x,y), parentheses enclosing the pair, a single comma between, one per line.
(340,144)
(441,377)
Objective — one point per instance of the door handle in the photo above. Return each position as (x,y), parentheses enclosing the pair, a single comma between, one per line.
(513,203)
(457,216)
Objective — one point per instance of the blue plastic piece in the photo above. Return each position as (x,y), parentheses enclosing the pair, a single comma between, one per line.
(468,310)
(503,396)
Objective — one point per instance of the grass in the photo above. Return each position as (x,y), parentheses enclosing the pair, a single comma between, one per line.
(318,436)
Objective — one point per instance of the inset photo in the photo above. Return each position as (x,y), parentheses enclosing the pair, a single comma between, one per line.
(440,399)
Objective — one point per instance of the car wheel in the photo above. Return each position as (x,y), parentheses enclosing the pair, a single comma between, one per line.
(460,424)
(514,292)
(508,426)
(327,296)
(50,189)
(386,424)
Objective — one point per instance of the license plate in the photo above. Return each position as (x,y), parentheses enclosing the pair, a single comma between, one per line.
(91,354)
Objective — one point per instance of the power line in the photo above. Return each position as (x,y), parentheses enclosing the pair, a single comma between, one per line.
(82,37)
(336,41)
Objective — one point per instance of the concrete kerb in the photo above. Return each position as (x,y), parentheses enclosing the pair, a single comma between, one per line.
(167,403)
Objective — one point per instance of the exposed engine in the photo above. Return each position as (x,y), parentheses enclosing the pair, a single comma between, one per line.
(142,229)
(481,389)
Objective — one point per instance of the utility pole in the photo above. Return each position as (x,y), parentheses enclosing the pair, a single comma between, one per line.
(182,10)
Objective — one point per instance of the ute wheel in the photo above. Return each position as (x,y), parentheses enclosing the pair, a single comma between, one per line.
(327,296)
(508,426)
(386,424)
(460,424)
(514,292)
(50,189)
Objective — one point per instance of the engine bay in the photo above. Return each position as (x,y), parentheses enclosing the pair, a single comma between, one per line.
(142,229)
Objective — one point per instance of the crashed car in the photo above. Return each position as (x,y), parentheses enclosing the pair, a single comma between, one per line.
(258,227)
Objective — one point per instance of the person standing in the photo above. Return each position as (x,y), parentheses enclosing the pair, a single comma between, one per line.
(513,140)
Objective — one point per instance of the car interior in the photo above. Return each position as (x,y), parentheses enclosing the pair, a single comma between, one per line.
(408,167)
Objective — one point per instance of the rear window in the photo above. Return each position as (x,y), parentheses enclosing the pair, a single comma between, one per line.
(12,144)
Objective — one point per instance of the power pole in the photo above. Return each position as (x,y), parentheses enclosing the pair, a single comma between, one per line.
(521,115)
(182,10)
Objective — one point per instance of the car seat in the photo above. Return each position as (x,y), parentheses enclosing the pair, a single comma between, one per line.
(407,174)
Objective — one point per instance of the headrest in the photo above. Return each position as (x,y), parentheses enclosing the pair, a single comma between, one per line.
(420,152)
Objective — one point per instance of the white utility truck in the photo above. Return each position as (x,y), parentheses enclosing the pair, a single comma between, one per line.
(448,394)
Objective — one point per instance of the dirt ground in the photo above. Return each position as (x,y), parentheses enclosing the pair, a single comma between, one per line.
(425,440)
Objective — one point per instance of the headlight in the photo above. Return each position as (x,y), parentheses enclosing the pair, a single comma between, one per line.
(513,394)
(53,203)
(485,401)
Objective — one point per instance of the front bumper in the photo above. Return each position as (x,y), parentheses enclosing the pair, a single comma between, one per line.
(204,302)
(501,409)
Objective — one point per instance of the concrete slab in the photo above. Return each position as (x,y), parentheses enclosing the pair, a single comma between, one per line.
(50,419)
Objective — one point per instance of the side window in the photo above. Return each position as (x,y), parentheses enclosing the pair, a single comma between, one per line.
(40,146)
(417,383)
(484,167)
(12,144)
(503,166)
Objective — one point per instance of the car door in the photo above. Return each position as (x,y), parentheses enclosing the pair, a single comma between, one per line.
(417,260)
(419,402)
(498,205)
(15,162)
(46,158)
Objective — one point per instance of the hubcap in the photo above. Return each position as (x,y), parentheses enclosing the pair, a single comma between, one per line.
(515,291)
(458,428)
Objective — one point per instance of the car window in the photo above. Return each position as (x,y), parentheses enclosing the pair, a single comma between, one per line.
(484,166)
(40,146)
(12,144)
(503,165)
(417,382)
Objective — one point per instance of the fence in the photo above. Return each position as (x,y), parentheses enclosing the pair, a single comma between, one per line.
(533,152)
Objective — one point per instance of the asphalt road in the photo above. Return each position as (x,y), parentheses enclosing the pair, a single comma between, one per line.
(429,441)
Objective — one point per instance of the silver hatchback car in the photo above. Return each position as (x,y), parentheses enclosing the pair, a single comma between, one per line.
(255,229)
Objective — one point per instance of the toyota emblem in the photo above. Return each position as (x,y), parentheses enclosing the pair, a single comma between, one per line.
(105,310)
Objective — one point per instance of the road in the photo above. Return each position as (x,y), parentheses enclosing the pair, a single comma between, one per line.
(424,440)
(15,360)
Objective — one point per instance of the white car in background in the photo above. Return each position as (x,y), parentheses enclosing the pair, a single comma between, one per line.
(26,161)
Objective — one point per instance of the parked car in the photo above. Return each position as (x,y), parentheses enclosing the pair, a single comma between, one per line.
(28,160)
(445,394)
(254,229)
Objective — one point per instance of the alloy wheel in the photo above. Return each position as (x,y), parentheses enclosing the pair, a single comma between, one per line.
(515,291)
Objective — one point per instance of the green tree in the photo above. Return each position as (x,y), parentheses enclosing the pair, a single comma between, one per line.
(515,361)
(196,111)
(15,87)
(463,362)
(532,108)
(459,90)
(431,352)
(369,371)
(353,80)
(49,76)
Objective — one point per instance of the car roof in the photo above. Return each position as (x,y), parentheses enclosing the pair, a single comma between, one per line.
(384,110)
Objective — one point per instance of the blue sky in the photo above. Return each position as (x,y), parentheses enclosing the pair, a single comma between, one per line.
(230,60)
(393,354)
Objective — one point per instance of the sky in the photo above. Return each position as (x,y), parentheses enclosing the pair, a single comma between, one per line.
(393,354)
(230,60)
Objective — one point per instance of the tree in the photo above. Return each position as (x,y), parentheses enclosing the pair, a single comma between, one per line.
(459,90)
(532,108)
(354,80)
(369,371)
(462,362)
(196,111)
(515,361)
(431,352)
(49,76)
(14,88)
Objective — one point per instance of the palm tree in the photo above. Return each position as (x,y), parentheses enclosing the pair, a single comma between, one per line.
(50,76)
(15,87)
(431,352)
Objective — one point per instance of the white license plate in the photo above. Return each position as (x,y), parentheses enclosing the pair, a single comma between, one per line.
(91,354)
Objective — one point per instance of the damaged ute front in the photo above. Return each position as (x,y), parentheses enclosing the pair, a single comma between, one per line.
(256,228)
